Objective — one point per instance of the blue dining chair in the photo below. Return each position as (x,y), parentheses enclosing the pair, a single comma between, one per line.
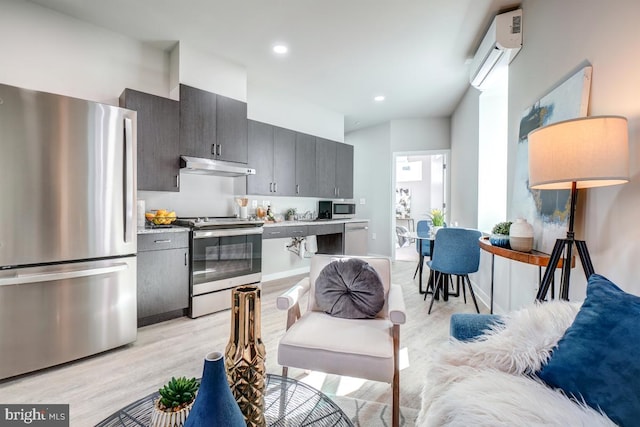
(456,252)
(422,247)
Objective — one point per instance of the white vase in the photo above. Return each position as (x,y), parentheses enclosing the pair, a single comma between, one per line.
(521,236)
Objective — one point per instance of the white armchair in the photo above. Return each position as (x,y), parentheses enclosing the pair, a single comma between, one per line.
(363,348)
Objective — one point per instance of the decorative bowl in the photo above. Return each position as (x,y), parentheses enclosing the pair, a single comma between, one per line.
(500,240)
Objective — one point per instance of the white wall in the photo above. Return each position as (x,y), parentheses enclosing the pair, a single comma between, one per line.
(559,38)
(47,51)
(463,167)
(372,181)
(279,109)
(203,71)
(420,134)
(373,169)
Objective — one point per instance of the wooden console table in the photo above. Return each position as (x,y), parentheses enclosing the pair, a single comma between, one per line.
(537,258)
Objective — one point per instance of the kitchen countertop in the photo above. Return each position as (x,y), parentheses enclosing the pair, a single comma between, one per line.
(309,222)
(172,229)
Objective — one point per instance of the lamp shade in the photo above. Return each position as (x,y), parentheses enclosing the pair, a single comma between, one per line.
(590,151)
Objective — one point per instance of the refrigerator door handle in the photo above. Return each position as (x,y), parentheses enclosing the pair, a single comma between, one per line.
(20,279)
(128,180)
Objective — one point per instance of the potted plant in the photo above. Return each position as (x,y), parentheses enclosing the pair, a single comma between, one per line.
(437,220)
(500,234)
(175,402)
(437,217)
(291,214)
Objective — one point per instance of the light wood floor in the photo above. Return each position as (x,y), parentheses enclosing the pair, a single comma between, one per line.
(97,386)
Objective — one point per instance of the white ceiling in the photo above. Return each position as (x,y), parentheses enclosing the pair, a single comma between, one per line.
(341,52)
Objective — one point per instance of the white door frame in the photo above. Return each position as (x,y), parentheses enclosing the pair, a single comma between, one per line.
(446,184)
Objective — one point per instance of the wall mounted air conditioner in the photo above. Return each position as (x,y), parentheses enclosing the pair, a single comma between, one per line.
(499,46)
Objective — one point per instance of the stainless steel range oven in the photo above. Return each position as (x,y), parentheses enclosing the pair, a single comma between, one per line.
(225,253)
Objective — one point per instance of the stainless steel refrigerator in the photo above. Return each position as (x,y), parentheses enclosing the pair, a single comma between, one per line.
(67,229)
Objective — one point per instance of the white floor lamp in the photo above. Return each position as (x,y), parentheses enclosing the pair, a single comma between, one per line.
(574,154)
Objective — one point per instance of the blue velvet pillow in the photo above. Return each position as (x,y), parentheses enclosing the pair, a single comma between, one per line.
(597,358)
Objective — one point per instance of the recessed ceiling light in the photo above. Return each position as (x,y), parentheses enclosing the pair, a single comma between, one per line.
(378,98)
(280,49)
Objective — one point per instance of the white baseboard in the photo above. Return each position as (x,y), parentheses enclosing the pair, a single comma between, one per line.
(283,274)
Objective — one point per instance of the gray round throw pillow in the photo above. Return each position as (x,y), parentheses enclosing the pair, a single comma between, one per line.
(350,289)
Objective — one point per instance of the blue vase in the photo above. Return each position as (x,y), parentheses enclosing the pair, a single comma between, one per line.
(215,404)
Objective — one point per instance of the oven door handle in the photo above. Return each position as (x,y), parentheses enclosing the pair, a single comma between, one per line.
(227,232)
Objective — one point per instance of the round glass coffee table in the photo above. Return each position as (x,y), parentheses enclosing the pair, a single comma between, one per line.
(287,402)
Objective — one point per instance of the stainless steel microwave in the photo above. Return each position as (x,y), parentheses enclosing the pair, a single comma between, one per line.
(328,209)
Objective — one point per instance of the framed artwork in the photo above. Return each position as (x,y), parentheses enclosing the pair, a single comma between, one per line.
(403,203)
(547,210)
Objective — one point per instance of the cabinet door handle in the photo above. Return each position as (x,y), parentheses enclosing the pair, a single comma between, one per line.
(177,181)
(275,187)
(185,258)
(162,241)
(219,150)
(297,188)
(271,187)
(213,149)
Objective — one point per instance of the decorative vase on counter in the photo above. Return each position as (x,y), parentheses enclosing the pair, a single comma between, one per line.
(245,355)
(521,236)
(215,404)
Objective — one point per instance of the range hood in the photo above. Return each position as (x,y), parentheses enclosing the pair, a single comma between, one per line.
(213,167)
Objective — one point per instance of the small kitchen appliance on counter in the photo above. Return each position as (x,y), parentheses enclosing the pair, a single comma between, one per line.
(225,252)
(328,209)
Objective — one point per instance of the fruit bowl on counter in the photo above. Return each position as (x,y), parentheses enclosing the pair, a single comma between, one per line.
(160,217)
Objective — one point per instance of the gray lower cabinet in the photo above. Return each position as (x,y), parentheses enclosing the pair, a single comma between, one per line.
(163,276)
(158,140)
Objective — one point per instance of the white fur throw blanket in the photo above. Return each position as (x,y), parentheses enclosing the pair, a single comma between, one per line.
(489,382)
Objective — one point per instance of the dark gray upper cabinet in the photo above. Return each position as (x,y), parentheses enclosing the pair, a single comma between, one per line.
(284,162)
(212,126)
(305,165)
(334,169)
(231,130)
(326,152)
(158,139)
(260,158)
(197,122)
(272,155)
(344,171)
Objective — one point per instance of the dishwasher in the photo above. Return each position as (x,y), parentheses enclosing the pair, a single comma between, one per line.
(356,238)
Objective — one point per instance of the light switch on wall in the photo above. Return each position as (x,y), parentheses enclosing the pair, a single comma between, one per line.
(254,204)
(363,202)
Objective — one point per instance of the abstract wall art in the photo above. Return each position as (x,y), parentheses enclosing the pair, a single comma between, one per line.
(547,210)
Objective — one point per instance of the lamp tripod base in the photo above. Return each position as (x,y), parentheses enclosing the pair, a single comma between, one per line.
(564,246)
